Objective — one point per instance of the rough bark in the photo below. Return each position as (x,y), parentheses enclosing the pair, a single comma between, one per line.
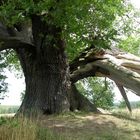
(46,83)
(46,73)
(80,102)
(40,49)
(48,89)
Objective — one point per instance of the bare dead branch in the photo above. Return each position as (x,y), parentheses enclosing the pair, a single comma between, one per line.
(123,93)
(122,68)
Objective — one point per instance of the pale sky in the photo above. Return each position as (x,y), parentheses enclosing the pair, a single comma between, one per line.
(136,3)
(16,86)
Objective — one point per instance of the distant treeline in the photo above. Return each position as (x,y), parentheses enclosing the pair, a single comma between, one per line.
(4,109)
(122,104)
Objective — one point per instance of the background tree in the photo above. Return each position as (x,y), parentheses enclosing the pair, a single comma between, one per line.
(122,104)
(130,41)
(3,84)
(97,90)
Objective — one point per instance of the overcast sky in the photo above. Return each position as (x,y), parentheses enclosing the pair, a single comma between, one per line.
(16,86)
(136,3)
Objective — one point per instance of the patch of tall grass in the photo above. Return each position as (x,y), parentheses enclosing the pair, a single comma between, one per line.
(125,114)
(25,129)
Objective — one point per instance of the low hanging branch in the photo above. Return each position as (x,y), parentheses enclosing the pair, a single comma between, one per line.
(13,43)
(123,68)
(125,76)
(123,93)
(11,38)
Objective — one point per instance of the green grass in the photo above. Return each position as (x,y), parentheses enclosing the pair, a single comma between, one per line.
(73,126)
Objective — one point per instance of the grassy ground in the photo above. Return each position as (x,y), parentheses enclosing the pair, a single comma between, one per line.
(74,126)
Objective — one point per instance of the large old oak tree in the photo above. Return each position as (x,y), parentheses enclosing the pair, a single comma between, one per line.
(59,42)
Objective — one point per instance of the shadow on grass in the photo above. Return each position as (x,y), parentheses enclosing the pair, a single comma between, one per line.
(89,127)
(126,116)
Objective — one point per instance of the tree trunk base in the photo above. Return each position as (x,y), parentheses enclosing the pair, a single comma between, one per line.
(77,102)
(80,102)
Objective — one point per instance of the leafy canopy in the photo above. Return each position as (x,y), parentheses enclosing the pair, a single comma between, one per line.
(83,22)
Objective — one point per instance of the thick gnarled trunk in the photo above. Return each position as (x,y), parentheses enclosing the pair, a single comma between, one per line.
(47,83)
(40,48)
(46,70)
(48,87)
(46,73)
